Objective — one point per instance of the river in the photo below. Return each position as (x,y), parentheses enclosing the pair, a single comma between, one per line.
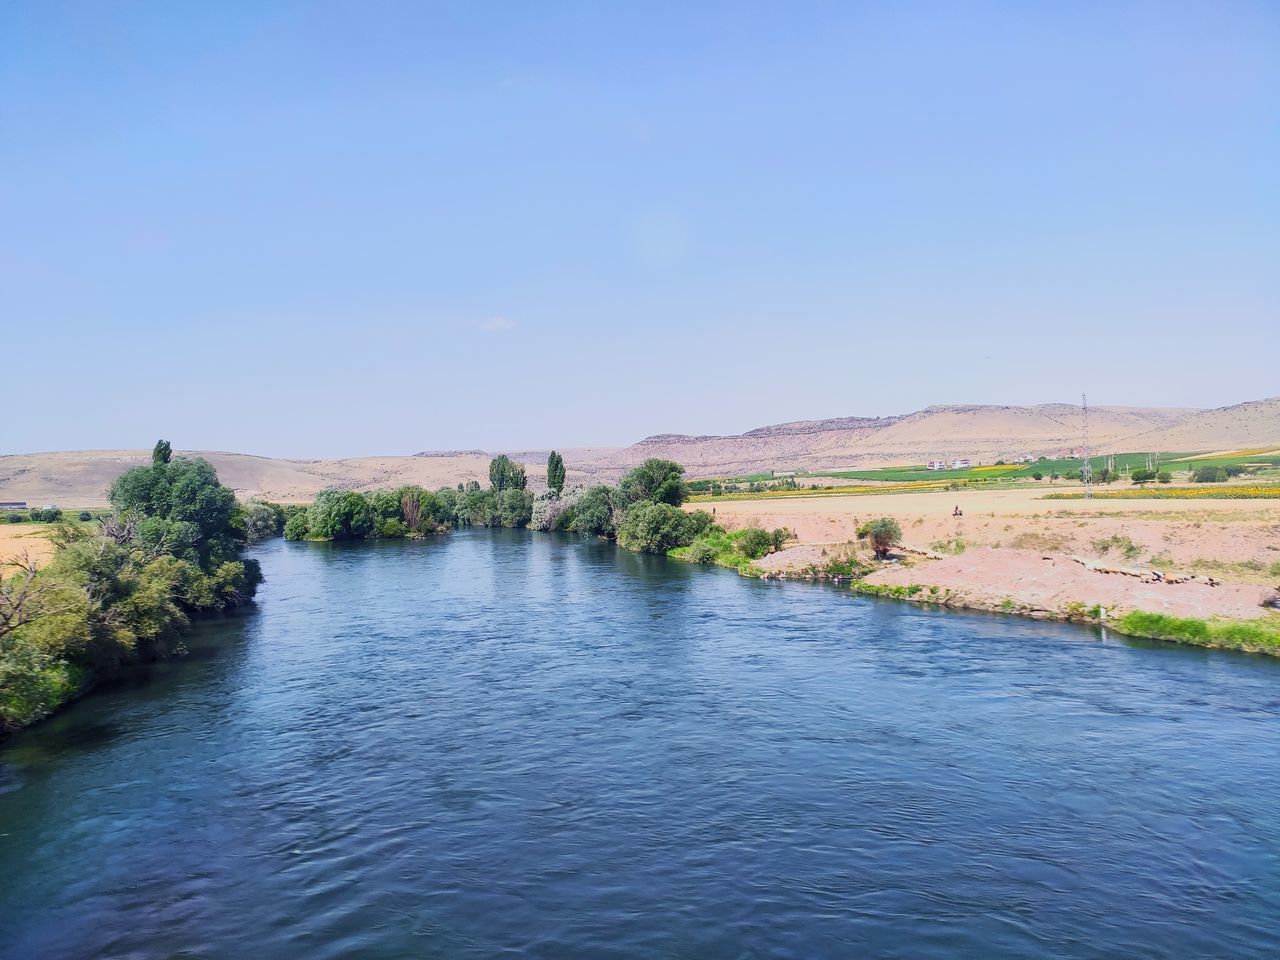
(503,743)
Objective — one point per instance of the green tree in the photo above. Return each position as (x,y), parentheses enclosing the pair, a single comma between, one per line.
(555,472)
(340,515)
(161,453)
(654,481)
(595,513)
(182,508)
(514,508)
(478,508)
(506,474)
(1142,475)
(883,534)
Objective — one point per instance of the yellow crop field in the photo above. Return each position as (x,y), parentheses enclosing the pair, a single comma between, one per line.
(1205,492)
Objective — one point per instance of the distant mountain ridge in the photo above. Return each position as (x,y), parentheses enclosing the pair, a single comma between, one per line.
(981,432)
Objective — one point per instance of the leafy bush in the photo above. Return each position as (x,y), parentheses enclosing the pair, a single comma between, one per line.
(16,518)
(700,551)
(659,527)
(1209,475)
(85,516)
(297,528)
(393,529)
(595,512)
(754,543)
(1142,475)
(261,520)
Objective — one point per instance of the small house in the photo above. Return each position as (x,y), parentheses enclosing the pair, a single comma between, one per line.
(963,463)
(13,504)
(937,464)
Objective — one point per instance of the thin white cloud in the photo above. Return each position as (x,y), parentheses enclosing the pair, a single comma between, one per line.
(496,324)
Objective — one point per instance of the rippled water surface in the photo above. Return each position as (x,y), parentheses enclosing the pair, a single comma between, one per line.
(514,744)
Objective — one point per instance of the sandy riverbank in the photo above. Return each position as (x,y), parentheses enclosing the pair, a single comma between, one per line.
(1235,539)
(994,556)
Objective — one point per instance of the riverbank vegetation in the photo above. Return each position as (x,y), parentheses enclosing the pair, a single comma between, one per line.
(123,589)
(1252,636)
(735,549)
(642,512)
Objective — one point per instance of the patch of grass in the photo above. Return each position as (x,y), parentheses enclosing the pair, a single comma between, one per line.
(954,546)
(1253,636)
(1035,540)
(892,592)
(1121,544)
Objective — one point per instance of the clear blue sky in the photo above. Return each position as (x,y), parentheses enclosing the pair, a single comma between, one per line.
(316,229)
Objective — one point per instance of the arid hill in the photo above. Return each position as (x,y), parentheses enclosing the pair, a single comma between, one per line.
(1238,427)
(982,433)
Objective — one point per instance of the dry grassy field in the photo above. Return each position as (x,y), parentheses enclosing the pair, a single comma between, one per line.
(29,538)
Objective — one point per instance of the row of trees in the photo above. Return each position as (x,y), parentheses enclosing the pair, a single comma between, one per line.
(123,589)
(655,489)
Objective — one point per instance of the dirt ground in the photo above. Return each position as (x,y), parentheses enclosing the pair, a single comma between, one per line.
(996,549)
(986,577)
(1210,536)
(17,538)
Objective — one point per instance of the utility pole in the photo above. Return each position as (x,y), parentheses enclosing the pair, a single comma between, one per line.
(1086,472)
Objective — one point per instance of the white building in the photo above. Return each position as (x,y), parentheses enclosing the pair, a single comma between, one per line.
(964,463)
(937,464)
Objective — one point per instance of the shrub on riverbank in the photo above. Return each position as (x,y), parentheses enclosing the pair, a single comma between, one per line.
(651,527)
(736,549)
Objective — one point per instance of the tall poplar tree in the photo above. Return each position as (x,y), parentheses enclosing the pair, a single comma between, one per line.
(555,472)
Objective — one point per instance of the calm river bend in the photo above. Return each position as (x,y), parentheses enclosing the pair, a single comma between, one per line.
(502,743)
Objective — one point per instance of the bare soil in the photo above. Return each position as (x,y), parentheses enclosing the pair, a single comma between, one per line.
(994,555)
